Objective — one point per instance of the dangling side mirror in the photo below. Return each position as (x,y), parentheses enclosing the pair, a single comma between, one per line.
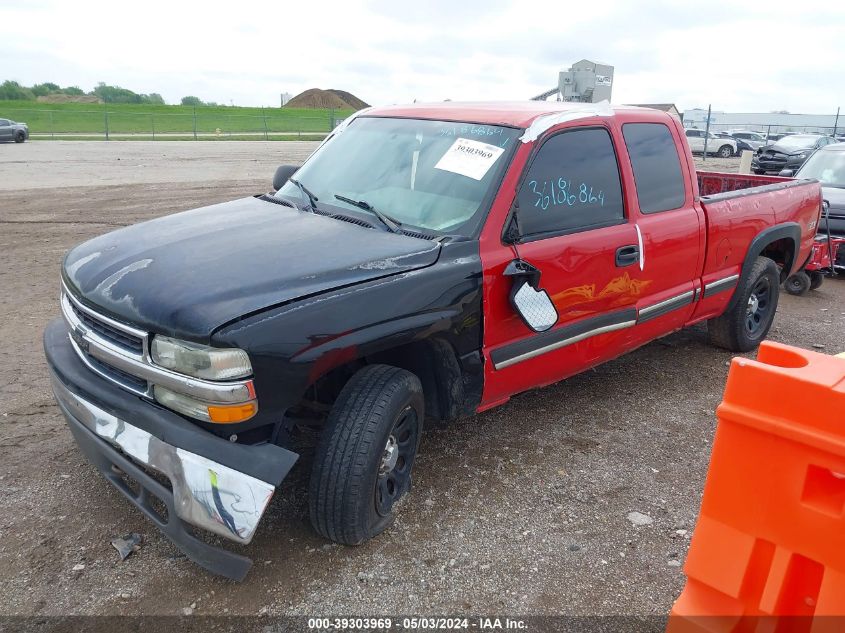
(282,175)
(533,304)
(786,173)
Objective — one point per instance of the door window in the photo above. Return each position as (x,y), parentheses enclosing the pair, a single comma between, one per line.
(572,185)
(657,166)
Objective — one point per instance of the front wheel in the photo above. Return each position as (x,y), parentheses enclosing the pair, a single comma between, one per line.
(362,466)
(20,137)
(747,323)
(726,151)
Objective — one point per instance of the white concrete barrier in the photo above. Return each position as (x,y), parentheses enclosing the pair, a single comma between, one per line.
(745,161)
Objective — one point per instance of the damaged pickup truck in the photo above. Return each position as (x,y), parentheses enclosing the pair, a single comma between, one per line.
(425,263)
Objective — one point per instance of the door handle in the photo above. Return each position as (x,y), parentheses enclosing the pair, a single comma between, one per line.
(627,255)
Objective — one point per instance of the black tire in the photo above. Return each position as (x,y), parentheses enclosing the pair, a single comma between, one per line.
(354,488)
(20,137)
(726,151)
(816,280)
(758,171)
(747,323)
(797,284)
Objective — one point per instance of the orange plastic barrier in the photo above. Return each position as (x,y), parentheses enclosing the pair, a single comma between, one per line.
(770,538)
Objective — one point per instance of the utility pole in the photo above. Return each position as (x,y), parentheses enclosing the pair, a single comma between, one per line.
(106,111)
(707,131)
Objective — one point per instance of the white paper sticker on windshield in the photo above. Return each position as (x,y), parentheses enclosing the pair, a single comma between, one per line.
(469,158)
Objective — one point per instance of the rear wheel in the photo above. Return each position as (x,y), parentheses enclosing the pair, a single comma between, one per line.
(816,279)
(362,466)
(743,327)
(726,151)
(797,284)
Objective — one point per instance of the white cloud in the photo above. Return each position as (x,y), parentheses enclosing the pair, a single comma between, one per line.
(735,55)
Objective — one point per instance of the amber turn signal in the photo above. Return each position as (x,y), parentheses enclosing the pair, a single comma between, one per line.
(232,413)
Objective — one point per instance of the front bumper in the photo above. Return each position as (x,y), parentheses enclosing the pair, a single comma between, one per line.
(215,485)
(775,165)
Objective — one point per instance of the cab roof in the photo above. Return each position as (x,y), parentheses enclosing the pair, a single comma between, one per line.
(518,114)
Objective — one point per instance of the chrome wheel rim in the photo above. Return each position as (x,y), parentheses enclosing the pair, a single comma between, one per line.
(759,307)
(394,472)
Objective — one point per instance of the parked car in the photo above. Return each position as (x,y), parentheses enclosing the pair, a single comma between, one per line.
(11,131)
(426,262)
(722,147)
(790,152)
(828,167)
(741,145)
(751,140)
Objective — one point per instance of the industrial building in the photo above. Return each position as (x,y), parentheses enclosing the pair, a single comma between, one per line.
(585,81)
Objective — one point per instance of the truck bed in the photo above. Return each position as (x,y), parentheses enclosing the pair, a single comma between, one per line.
(713,182)
(738,207)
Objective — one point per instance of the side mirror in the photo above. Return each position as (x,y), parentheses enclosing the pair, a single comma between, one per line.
(282,175)
(533,305)
(786,173)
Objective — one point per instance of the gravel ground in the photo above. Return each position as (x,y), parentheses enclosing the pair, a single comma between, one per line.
(523,509)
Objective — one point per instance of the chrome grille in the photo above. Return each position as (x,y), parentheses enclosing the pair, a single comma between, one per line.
(129,381)
(109,332)
(119,339)
(120,353)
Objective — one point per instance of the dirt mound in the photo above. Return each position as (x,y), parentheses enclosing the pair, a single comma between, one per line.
(354,102)
(335,99)
(63,98)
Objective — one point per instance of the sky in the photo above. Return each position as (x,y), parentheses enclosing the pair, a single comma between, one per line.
(739,56)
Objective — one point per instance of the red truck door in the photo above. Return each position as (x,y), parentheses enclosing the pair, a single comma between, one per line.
(669,223)
(576,231)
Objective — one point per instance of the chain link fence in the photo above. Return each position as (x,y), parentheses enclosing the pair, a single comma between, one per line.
(198,124)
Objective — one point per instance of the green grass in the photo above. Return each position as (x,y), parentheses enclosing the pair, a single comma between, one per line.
(67,119)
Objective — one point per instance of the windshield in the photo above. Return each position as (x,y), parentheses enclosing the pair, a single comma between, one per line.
(828,167)
(431,175)
(797,142)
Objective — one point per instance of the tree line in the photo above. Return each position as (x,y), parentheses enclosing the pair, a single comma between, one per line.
(13,91)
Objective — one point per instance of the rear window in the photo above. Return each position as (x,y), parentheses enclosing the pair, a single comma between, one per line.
(657,166)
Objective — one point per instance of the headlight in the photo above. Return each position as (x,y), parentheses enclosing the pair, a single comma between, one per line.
(217,413)
(200,361)
(801,155)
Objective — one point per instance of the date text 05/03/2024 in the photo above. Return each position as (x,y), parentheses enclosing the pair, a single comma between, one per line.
(417,623)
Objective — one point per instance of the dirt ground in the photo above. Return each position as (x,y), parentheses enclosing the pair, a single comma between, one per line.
(522,509)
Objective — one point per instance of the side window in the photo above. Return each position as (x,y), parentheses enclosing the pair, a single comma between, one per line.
(657,166)
(4,122)
(694,133)
(572,185)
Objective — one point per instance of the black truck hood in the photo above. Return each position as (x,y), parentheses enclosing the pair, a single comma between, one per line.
(187,274)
